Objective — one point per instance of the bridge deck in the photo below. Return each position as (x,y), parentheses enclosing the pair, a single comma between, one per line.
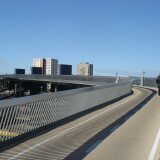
(78,138)
(138,138)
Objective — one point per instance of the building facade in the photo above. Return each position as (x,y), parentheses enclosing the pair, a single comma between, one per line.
(40,62)
(85,69)
(49,65)
(19,71)
(36,70)
(65,69)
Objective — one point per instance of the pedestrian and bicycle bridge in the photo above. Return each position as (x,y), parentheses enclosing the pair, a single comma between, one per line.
(105,118)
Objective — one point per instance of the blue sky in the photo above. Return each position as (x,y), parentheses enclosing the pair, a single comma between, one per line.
(114,35)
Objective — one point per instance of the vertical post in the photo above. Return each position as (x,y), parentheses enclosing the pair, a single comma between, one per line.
(15,90)
(41,89)
(56,88)
(116,75)
(20,88)
(9,87)
(2,84)
(142,79)
(117,78)
(49,87)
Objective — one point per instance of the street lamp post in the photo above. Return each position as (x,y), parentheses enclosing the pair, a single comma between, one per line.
(117,79)
(143,74)
(142,79)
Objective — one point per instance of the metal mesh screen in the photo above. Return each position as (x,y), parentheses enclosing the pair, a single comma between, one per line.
(150,82)
(22,115)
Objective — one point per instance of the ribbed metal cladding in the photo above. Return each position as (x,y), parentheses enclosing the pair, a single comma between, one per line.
(22,115)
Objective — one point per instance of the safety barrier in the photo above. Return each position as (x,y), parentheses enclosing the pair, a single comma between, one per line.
(22,115)
(151,82)
(145,81)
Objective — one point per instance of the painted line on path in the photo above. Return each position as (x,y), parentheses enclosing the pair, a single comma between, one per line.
(155,145)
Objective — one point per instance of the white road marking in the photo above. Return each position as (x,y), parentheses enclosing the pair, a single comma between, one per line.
(155,145)
(63,132)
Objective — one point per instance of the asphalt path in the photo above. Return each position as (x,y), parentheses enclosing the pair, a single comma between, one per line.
(77,139)
(137,139)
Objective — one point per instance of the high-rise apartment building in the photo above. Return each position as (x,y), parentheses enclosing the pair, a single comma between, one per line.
(19,71)
(40,62)
(36,70)
(49,65)
(85,69)
(65,69)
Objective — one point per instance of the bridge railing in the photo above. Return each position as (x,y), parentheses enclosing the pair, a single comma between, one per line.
(150,82)
(145,81)
(22,115)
